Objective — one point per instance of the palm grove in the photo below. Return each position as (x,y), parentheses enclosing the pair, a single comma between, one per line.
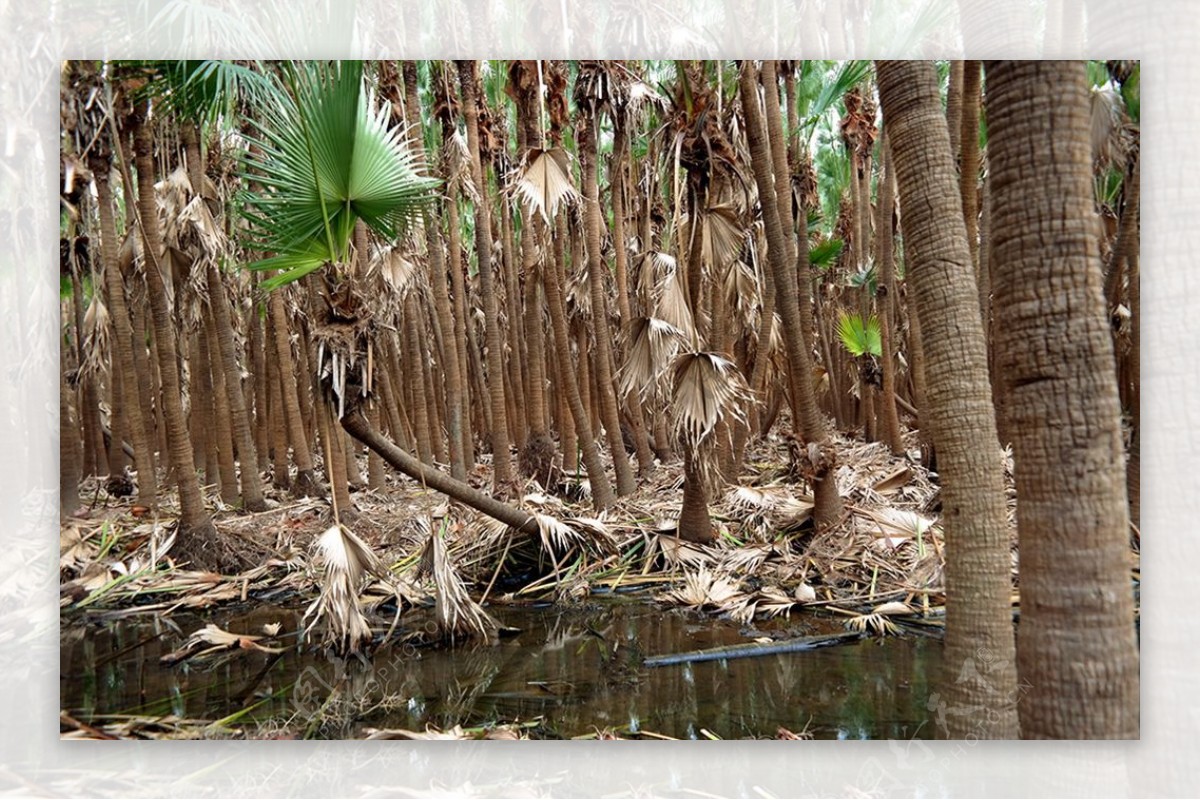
(490,273)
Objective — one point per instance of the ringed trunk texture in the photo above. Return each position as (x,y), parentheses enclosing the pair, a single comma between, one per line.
(975,516)
(118,309)
(502,475)
(1077,649)
(194,519)
(823,464)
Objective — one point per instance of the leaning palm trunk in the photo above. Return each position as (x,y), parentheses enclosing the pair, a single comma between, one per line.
(1077,650)
(978,583)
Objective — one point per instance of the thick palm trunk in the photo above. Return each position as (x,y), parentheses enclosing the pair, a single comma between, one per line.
(222,431)
(461,322)
(605,388)
(501,461)
(194,519)
(975,516)
(823,464)
(124,343)
(1077,649)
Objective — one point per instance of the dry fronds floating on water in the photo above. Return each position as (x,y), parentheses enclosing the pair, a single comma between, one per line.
(217,640)
(457,615)
(348,562)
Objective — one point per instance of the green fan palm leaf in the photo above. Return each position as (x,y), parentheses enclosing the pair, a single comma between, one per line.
(325,159)
(857,337)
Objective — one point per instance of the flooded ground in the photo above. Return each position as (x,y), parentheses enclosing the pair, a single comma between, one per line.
(568,673)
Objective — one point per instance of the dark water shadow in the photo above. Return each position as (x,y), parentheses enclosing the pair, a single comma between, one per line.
(579,670)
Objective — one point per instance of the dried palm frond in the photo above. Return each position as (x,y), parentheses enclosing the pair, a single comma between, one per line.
(97,329)
(457,615)
(724,234)
(348,562)
(872,623)
(218,640)
(397,270)
(742,293)
(544,182)
(707,389)
(654,343)
(671,305)
(678,553)
(706,588)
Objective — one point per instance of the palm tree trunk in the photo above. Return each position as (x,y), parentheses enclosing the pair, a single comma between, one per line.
(604,371)
(195,522)
(602,493)
(884,257)
(68,449)
(357,426)
(978,582)
(306,478)
(637,423)
(222,424)
(252,495)
(821,467)
(502,475)
(1077,651)
(452,371)
(124,342)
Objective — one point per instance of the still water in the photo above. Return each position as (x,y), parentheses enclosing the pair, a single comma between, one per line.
(574,672)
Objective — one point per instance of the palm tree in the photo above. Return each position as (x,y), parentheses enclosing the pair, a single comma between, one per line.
(502,475)
(978,586)
(821,460)
(1077,651)
(198,539)
(593,93)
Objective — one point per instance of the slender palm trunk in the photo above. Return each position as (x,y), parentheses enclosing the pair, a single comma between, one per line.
(124,343)
(604,371)
(1078,647)
(887,301)
(306,478)
(602,492)
(978,565)
(823,460)
(501,460)
(194,519)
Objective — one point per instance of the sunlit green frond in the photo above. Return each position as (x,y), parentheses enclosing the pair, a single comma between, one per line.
(857,338)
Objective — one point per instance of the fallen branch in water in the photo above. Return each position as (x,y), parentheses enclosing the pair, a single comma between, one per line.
(753,649)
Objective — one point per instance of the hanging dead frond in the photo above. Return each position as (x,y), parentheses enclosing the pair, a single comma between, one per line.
(348,562)
(653,343)
(458,616)
(707,389)
(671,303)
(97,338)
(544,182)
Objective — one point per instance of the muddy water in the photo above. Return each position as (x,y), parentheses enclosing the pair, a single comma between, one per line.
(573,672)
